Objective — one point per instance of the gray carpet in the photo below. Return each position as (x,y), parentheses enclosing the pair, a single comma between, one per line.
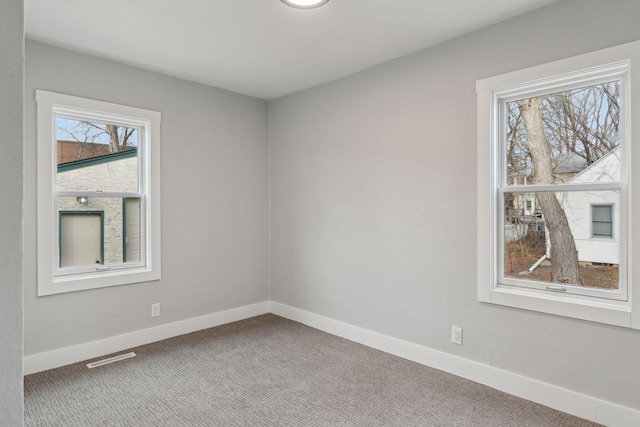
(269,371)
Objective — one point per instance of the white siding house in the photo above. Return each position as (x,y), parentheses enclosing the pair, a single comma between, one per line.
(594,216)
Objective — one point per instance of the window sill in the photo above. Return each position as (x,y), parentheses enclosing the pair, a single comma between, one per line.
(77,282)
(609,312)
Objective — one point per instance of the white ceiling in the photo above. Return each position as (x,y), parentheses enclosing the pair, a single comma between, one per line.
(259,47)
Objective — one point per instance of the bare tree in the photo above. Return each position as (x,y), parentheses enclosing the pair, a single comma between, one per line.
(90,135)
(518,157)
(584,121)
(114,142)
(565,267)
(118,137)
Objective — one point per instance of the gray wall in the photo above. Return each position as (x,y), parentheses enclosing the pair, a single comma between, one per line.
(11,180)
(214,202)
(373,201)
(374,198)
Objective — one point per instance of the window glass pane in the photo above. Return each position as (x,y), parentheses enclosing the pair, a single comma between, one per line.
(557,245)
(602,229)
(119,231)
(96,156)
(580,126)
(602,213)
(132,234)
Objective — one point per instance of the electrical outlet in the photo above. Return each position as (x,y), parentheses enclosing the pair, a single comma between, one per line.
(155,309)
(456,335)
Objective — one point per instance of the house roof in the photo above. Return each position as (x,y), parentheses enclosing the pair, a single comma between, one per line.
(569,163)
(606,168)
(71,151)
(65,167)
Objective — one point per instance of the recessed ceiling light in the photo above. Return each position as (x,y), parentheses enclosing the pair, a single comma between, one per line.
(305,4)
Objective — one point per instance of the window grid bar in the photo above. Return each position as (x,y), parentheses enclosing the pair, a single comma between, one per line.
(559,188)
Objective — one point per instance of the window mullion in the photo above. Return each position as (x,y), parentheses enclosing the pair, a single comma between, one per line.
(558,188)
(78,193)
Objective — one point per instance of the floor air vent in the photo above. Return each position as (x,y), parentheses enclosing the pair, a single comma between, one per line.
(110,360)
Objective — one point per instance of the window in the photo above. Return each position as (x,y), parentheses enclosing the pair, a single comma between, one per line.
(554,182)
(602,221)
(528,204)
(98,194)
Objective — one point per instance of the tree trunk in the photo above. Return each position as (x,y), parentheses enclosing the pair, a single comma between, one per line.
(564,256)
(114,145)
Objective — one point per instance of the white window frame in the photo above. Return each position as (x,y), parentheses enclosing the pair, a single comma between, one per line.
(615,61)
(51,278)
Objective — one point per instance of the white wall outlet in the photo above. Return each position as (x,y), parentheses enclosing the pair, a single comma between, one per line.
(155,309)
(456,335)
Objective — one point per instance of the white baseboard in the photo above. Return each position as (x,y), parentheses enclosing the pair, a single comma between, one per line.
(555,397)
(559,398)
(77,353)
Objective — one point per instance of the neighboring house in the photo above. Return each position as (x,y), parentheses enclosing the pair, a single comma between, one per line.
(71,151)
(524,212)
(565,167)
(93,229)
(594,216)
